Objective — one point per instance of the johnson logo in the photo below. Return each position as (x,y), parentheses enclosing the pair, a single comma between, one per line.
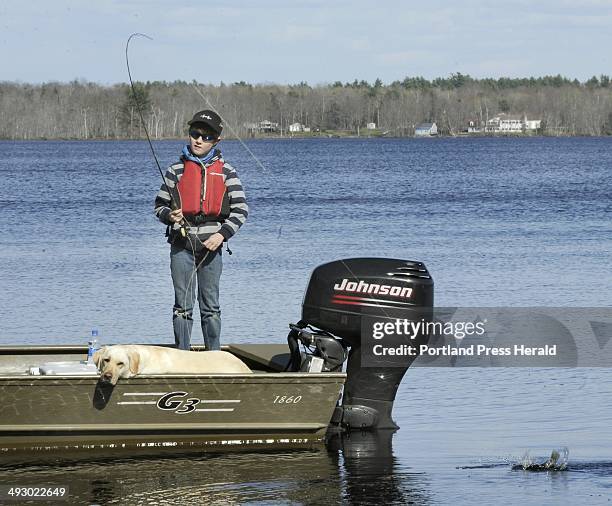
(345,285)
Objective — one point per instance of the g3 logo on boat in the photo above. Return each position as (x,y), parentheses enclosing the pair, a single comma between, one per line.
(169,402)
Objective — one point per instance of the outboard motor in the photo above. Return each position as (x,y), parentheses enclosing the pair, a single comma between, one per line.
(342,300)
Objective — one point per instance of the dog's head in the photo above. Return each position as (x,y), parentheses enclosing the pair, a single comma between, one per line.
(116,362)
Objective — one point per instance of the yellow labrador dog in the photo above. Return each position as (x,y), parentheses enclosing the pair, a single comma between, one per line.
(128,360)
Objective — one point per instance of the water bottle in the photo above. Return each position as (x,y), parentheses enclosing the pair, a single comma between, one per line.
(92,346)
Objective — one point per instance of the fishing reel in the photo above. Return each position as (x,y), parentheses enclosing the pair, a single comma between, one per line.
(183,229)
(321,351)
(175,200)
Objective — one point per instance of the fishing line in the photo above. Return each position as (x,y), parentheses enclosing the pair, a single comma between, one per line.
(205,98)
(228,125)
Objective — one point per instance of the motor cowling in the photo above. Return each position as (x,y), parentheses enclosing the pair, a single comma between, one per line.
(342,299)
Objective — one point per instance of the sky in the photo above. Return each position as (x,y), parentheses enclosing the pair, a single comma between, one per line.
(285,41)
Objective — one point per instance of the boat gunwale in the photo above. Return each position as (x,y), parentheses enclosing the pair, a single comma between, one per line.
(217,376)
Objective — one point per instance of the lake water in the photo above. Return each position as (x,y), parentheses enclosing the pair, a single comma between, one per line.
(498,222)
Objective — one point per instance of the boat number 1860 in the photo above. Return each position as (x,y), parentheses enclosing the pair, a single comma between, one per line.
(287,399)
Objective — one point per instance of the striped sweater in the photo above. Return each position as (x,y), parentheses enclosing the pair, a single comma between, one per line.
(237,200)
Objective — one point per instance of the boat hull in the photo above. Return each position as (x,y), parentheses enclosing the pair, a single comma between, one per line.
(222,411)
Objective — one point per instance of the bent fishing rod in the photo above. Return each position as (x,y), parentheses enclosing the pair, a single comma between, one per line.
(138,105)
(173,203)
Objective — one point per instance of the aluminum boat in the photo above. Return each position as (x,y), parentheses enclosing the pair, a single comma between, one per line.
(296,393)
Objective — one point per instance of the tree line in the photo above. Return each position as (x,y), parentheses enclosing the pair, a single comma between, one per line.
(85,110)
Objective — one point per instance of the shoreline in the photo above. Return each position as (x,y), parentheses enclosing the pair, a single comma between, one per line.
(315,137)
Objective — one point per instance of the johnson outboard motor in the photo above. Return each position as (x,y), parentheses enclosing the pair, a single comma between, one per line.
(342,301)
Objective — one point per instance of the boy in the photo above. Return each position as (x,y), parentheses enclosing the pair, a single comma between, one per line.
(207,207)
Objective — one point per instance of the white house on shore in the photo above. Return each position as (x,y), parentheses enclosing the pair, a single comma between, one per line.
(268,126)
(371,126)
(426,130)
(298,127)
(511,123)
(265,126)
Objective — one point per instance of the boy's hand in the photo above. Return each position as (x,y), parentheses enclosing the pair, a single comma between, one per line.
(176,216)
(214,241)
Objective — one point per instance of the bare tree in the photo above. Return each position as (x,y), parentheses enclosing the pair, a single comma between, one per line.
(82,110)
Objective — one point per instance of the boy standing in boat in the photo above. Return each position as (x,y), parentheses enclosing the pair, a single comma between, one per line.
(206,208)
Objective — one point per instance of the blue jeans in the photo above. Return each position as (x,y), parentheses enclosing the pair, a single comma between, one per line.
(182,265)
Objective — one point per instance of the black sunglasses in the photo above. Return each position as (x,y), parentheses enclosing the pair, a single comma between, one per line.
(195,135)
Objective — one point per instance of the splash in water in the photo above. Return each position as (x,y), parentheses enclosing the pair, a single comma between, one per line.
(556,462)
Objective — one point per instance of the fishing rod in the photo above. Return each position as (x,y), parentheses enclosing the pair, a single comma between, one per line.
(173,203)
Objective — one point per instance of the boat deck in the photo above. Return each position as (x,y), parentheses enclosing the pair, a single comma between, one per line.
(17,360)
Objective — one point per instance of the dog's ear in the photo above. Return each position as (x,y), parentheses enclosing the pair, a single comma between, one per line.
(134,362)
(97,356)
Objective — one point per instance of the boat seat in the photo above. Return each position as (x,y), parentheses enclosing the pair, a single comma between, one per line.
(270,357)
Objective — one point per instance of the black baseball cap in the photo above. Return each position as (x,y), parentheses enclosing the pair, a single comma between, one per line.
(209,118)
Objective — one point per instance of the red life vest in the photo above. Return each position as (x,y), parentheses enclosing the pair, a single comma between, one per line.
(203,195)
